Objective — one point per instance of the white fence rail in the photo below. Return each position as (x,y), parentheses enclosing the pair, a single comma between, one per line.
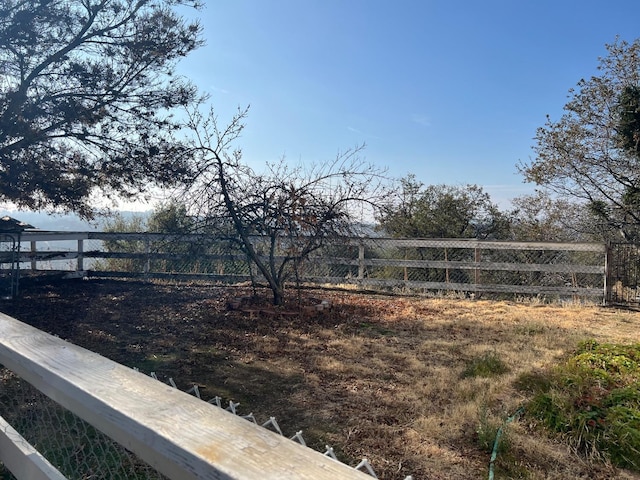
(463,265)
(21,459)
(177,434)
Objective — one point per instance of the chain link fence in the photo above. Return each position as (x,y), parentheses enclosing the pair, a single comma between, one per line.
(623,274)
(481,267)
(404,265)
(464,266)
(70,444)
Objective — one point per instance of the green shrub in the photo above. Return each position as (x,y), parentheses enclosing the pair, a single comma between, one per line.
(594,400)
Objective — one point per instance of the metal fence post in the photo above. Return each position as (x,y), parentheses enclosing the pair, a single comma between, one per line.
(607,266)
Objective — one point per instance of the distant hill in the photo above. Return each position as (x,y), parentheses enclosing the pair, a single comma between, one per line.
(64,223)
(73,223)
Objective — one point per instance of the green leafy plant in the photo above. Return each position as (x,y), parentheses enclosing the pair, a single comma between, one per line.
(594,400)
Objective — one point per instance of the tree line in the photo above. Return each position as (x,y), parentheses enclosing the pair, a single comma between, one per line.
(91,108)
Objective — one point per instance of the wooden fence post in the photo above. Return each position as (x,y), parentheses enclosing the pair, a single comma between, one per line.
(80,261)
(446,270)
(34,249)
(147,251)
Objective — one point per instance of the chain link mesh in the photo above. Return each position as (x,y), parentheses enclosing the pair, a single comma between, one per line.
(415,265)
(70,444)
(450,265)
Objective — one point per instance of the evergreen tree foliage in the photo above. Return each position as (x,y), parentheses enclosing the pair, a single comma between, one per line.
(441,211)
(86,93)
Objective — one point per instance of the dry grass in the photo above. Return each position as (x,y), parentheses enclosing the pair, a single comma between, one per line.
(385,378)
(417,412)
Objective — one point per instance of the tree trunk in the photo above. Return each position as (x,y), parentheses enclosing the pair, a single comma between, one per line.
(278,295)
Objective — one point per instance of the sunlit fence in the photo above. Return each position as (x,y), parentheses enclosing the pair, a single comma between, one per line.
(464,266)
(472,267)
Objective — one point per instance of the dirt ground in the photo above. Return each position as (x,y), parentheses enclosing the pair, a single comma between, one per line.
(355,376)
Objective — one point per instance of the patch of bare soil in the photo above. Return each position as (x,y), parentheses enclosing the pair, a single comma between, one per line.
(376,377)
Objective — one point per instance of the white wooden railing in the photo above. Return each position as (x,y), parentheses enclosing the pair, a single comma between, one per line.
(21,459)
(480,265)
(179,435)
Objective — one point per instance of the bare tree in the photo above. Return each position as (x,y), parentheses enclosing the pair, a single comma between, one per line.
(541,217)
(280,216)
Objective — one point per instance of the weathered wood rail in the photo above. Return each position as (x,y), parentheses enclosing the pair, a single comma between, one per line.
(21,459)
(482,266)
(179,435)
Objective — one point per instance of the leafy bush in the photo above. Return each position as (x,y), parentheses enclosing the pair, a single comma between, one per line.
(594,400)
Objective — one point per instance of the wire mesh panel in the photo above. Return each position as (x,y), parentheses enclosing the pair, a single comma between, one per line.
(623,274)
(479,267)
(70,444)
(468,266)
(171,254)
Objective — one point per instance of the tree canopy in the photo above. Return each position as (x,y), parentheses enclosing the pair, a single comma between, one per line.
(540,217)
(441,211)
(86,92)
(629,122)
(591,154)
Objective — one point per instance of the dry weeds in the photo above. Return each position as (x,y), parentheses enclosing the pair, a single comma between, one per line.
(376,377)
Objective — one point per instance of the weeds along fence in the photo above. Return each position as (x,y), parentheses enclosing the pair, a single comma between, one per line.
(70,413)
(466,266)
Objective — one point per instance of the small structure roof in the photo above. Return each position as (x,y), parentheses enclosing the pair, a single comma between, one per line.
(10,224)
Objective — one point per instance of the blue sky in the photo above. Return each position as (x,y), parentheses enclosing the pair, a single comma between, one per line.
(451,91)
